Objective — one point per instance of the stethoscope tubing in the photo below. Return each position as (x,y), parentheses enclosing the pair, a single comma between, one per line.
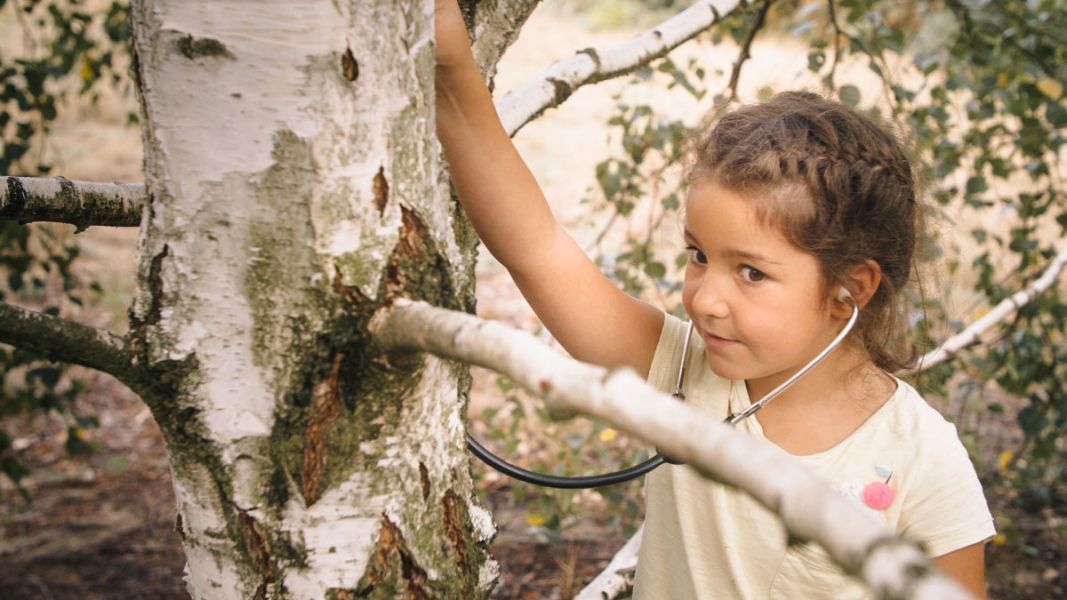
(623,475)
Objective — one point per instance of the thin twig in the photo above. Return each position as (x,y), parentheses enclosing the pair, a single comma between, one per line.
(555,84)
(1009,306)
(831,7)
(745,53)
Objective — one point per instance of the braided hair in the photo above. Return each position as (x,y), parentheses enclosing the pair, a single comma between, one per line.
(834,182)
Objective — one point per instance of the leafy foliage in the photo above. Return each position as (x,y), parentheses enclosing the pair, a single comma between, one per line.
(977,88)
(68,50)
(980,86)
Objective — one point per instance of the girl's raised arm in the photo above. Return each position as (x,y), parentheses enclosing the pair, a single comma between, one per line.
(592,318)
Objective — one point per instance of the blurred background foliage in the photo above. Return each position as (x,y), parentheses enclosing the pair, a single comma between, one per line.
(53,50)
(975,86)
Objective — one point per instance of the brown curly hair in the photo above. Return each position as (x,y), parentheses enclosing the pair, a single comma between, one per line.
(860,190)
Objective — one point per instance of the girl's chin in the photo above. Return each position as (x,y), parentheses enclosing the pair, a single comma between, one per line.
(730,370)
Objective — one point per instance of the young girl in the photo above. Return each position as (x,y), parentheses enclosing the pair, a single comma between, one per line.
(796,209)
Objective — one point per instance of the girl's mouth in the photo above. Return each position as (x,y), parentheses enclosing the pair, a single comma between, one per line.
(713,341)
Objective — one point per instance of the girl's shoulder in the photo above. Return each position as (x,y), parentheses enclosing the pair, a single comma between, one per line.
(913,420)
(909,468)
(933,479)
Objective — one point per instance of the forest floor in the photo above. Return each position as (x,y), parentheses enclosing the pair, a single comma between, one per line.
(102,526)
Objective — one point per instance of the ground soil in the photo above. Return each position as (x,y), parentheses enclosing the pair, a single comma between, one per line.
(103,526)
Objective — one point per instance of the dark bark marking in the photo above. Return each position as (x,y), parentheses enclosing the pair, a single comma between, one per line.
(326,407)
(454,526)
(563,90)
(352,294)
(410,247)
(349,66)
(381,191)
(391,552)
(192,47)
(155,286)
(178,528)
(592,53)
(68,196)
(424,478)
(255,546)
(16,197)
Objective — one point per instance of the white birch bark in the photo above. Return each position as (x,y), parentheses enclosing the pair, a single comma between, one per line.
(292,168)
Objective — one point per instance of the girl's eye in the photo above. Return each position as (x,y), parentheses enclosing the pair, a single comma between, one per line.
(752,275)
(697,256)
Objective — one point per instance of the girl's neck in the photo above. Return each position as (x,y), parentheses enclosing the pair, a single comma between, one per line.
(826,405)
(848,362)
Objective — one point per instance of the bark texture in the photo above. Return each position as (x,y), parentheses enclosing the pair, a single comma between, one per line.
(80,203)
(295,188)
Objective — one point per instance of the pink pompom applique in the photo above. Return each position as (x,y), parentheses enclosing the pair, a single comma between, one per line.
(878,495)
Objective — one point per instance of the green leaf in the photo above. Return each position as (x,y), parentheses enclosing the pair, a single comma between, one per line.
(656,270)
(849,94)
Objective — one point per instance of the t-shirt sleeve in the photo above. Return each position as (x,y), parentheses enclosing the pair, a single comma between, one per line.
(663,372)
(945,509)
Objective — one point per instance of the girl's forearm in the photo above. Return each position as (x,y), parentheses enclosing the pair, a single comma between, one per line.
(497,190)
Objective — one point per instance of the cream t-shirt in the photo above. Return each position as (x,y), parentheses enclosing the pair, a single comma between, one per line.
(704,540)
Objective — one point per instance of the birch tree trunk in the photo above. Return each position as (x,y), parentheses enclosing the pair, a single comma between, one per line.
(294,187)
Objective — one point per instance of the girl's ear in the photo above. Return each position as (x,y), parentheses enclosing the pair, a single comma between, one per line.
(862,281)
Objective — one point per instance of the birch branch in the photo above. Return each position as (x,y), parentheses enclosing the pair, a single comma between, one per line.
(62,340)
(80,203)
(616,578)
(809,509)
(973,333)
(556,83)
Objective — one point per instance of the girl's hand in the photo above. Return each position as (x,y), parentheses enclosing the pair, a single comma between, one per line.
(453,45)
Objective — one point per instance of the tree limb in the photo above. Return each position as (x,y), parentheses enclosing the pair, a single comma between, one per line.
(80,203)
(617,577)
(809,509)
(556,83)
(62,340)
(493,26)
(972,334)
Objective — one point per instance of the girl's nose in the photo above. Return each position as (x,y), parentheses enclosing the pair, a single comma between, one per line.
(710,300)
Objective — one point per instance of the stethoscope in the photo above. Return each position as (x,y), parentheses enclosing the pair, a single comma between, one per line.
(592,481)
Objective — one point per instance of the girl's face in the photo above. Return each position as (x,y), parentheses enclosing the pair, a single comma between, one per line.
(756,299)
